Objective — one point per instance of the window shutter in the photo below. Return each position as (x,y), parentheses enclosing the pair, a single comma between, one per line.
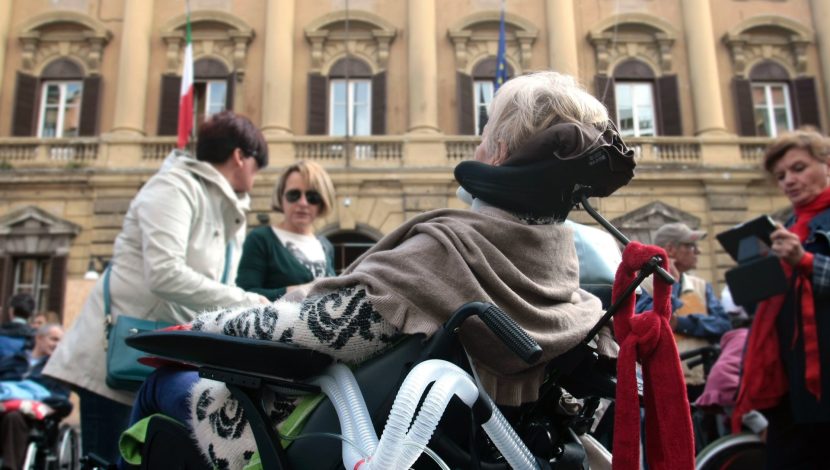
(25,102)
(605,93)
(743,106)
(379,104)
(805,102)
(318,100)
(57,285)
(230,91)
(168,123)
(90,105)
(668,99)
(466,105)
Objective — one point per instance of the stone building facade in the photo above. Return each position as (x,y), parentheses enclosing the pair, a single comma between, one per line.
(88,93)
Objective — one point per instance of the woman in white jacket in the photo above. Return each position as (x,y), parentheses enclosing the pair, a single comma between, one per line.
(181,237)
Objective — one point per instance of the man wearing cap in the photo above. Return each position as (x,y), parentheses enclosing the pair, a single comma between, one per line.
(698,319)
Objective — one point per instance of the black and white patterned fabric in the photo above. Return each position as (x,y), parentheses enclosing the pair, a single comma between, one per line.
(342,324)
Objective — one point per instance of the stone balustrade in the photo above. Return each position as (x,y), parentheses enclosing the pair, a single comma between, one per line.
(396,151)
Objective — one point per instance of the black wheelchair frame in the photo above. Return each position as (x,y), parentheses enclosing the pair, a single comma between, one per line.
(53,445)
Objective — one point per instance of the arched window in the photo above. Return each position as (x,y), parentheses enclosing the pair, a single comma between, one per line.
(60,99)
(348,246)
(483,88)
(350,98)
(772,108)
(635,103)
(212,89)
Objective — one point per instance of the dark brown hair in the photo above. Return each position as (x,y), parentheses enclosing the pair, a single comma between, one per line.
(226,131)
(817,145)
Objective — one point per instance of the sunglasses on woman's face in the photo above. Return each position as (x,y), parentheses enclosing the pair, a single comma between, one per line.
(311,196)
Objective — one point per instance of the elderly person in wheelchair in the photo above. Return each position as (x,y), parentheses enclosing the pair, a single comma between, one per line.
(546,137)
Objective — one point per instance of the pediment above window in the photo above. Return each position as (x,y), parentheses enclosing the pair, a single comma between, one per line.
(640,224)
(61,34)
(633,35)
(215,34)
(768,37)
(354,32)
(32,230)
(476,37)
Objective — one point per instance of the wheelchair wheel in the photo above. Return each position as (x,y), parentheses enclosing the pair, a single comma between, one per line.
(734,452)
(67,448)
(30,462)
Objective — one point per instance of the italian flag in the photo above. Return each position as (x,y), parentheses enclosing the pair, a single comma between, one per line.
(186,93)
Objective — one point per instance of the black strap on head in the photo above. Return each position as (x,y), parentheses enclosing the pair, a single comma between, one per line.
(539,178)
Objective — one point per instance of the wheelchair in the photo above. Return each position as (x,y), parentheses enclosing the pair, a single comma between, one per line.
(555,432)
(554,429)
(52,444)
(743,451)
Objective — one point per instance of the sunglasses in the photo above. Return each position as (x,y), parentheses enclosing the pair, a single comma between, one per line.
(311,196)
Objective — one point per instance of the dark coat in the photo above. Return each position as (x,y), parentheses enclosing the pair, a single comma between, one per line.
(805,407)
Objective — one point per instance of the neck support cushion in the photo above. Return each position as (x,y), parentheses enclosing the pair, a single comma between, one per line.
(539,179)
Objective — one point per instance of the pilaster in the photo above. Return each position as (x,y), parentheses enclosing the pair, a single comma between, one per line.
(423,67)
(278,68)
(133,68)
(703,68)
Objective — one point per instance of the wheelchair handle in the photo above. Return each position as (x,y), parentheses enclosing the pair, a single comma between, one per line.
(508,331)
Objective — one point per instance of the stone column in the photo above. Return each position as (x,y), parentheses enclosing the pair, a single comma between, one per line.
(821,18)
(133,68)
(5,19)
(277,83)
(703,67)
(423,67)
(562,48)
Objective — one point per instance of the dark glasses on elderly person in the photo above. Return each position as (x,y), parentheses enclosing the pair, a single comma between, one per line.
(311,196)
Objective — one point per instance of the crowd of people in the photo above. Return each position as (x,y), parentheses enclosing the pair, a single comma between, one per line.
(185,250)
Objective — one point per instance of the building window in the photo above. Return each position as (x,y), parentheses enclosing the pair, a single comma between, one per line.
(31,276)
(209,98)
(60,109)
(348,246)
(635,109)
(482,95)
(772,109)
(350,107)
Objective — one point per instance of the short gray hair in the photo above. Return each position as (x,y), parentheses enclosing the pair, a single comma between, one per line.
(533,102)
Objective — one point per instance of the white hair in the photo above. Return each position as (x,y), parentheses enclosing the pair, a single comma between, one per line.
(531,103)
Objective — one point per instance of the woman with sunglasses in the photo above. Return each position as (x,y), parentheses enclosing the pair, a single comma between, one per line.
(276,259)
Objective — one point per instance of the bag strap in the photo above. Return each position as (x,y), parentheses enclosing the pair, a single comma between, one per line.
(227,270)
(107,301)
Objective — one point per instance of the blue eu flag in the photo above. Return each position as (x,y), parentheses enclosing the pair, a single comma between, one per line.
(501,63)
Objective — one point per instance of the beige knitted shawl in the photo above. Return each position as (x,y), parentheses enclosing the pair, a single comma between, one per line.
(419,274)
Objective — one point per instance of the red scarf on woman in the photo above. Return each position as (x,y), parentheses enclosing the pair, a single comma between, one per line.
(764,382)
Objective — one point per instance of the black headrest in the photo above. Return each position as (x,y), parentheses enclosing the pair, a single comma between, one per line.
(539,179)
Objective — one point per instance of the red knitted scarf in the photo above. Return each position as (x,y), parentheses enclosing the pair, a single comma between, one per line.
(648,338)
(764,382)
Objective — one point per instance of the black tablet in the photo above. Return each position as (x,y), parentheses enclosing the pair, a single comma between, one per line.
(759,228)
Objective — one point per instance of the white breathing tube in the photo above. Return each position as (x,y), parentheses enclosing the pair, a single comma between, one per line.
(402,444)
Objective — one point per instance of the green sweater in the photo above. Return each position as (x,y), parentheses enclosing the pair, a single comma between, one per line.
(267,267)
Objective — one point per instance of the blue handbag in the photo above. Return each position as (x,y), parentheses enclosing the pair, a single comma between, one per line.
(124,372)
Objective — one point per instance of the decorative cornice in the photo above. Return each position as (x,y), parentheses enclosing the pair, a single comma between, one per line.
(40,46)
(473,42)
(787,46)
(229,44)
(369,38)
(653,44)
